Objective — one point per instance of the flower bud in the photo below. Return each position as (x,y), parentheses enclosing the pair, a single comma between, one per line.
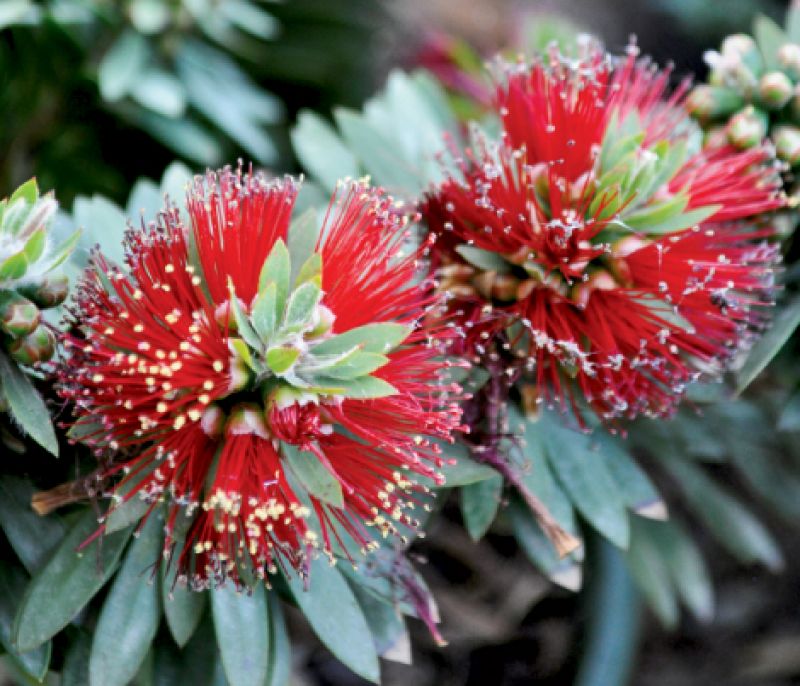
(716,137)
(294,417)
(600,280)
(787,143)
(37,346)
(18,315)
(747,128)
(789,59)
(775,89)
(713,102)
(323,318)
(739,45)
(49,292)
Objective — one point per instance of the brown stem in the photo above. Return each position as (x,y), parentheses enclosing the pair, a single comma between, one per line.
(45,502)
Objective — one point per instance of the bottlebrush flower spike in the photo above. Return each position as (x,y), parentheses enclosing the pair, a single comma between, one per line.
(270,383)
(596,246)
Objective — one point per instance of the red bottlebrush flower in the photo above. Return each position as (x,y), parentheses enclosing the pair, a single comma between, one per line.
(596,245)
(273,397)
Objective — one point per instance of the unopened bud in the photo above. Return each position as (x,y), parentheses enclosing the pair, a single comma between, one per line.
(324,318)
(739,45)
(600,280)
(18,315)
(747,128)
(49,292)
(787,144)
(708,103)
(246,418)
(293,416)
(37,346)
(789,59)
(213,421)
(775,90)
(716,137)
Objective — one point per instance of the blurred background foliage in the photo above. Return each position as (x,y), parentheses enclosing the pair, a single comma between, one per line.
(99,97)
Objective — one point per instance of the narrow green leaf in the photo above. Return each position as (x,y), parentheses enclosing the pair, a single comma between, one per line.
(388,629)
(362,388)
(280,360)
(277,268)
(585,477)
(649,570)
(726,518)
(122,65)
(242,634)
(265,312)
(302,240)
(685,220)
(484,259)
(14,267)
(793,24)
(566,572)
(311,270)
(131,612)
(183,608)
(32,536)
(357,365)
(321,151)
(75,671)
(314,476)
(479,504)
(67,582)
(301,305)
(374,338)
(656,213)
(684,563)
(280,647)
(463,470)
(35,245)
(122,514)
(27,406)
(28,191)
(63,250)
(13,582)
(769,38)
(334,613)
(770,344)
(243,326)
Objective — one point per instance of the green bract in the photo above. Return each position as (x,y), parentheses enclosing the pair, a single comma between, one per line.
(284,335)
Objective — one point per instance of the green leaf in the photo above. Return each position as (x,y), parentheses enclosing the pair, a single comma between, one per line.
(28,191)
(277,268)
(335,616)
(183,608)
(725,517)
(770,344)
(378,154)
(264,316)
(464,470)
(243,326)
(386,624)
(310,270)
(27,406)
(122,65)
(130,509)
(67,582)
(635,487)
(685,566)
(14,267)
(75,671)
(362,388)
(769,38)
(280,647)
(583,474)
(793,24)
(161,92)
(35,245)
(280,360)
(539,549)
(670,224)
(63,250)
(301,241)
(12,588)
(301,305)
(356,365)
(321,152)
(648,568)
(314,476)
(374,338)
(32,536)
(483,259)
(131,612)
(242,634)
(479,504)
